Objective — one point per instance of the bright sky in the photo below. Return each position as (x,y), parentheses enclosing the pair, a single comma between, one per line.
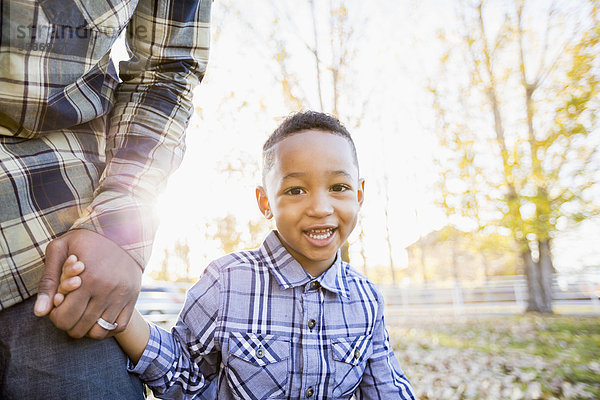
(238,104)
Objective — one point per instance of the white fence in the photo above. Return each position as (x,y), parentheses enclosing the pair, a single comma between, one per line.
(502,295)
(572,294)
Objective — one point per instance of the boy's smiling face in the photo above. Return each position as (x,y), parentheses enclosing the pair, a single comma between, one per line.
(314,193)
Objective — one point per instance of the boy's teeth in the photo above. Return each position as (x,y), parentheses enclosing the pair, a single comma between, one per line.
(320,233)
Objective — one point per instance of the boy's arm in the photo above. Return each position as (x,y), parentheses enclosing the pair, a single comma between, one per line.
(184,363)
(383,378)
(134,339)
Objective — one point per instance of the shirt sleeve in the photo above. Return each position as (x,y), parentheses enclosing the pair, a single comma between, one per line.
(184,363)
(383,377)
(167,41)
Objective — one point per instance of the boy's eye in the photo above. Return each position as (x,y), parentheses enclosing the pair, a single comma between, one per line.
(294,191)
(339,188)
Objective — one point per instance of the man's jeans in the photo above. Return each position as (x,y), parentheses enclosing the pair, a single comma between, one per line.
(38,361)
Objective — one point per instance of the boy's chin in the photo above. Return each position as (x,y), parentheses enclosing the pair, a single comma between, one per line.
(322,257)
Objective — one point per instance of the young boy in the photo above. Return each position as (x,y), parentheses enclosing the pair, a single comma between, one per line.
(288,320)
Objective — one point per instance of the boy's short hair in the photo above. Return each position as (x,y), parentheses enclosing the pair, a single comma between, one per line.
(303,121)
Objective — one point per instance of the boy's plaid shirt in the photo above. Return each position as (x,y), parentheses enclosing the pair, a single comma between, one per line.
(78,149)
(258,326)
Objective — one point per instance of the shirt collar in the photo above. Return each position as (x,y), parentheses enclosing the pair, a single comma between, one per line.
(289,273)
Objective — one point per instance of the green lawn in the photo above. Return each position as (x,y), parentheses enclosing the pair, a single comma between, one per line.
(523,357)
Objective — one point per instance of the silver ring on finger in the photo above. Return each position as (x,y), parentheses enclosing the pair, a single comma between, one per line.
(107,325)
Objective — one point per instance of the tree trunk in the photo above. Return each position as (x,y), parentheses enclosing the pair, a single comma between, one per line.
(454,261)
(534,290)
(361,239)
(345,252)
(486,267)
(546,271)
(486,273)
(423,265)
(164,270)
(539,281)
(388,237)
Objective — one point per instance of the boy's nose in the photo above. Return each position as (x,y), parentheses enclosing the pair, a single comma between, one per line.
(320,205)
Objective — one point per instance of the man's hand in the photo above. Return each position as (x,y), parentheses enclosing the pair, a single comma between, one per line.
(109,287)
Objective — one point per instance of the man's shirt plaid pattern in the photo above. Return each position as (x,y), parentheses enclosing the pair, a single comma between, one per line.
(257,325)
(83,147)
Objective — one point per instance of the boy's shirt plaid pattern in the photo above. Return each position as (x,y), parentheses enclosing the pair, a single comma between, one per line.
(257,325)
(78,148)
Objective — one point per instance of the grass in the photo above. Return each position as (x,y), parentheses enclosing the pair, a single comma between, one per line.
(521,357)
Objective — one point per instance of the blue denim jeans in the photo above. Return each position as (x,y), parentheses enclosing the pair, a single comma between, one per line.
(38,361)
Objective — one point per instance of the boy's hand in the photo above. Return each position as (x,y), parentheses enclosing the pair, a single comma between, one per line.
(69,279)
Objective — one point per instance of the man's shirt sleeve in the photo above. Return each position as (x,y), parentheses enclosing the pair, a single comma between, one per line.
(383,378)
(184,363)
(168,44)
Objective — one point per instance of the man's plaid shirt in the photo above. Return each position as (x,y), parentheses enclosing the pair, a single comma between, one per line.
(258,326)
(83,147)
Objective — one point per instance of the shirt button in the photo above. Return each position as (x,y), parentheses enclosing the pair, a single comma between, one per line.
(309,392)
(260,352)
(311,323)
(314,285)
(356,354)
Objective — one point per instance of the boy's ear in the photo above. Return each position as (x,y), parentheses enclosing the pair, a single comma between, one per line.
(360,193)
(263,202)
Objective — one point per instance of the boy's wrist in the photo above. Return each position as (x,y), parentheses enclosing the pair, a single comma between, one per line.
(134,339)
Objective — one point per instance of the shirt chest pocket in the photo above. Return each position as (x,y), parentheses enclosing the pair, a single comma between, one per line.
(257,366)
(108,18)
(350,355)
(83,29)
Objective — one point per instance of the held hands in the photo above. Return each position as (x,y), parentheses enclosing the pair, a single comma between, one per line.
(69,279)
(132,340)
(107,287)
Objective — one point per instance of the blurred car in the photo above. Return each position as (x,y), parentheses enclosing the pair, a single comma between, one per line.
(160,303)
